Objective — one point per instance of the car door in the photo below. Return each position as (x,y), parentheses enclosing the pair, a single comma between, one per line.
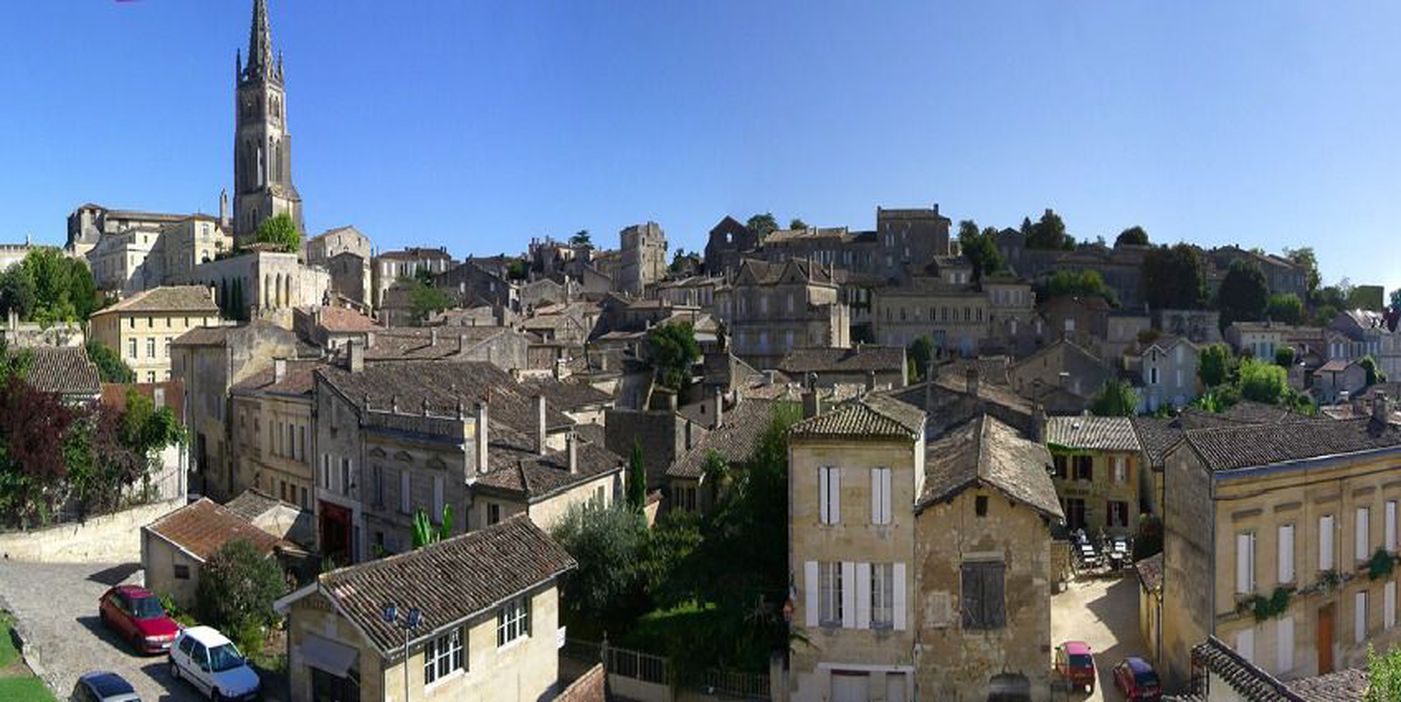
(120,615)
(199,668)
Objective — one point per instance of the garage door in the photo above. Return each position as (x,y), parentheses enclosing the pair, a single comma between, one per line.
(850,687)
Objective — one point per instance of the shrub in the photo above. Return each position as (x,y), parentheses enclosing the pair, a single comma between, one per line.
(237,587)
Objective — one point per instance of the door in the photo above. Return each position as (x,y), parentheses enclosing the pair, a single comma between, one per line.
(894,687)
(850,687)
(1325,639)
(199,668)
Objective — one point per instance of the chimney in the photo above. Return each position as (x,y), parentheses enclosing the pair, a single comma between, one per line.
(972,376)
(462,340)
(540,423)
(279,369)
(719,408)
(433,336)
(1038,423)
(573,448)
(1381,408)
(1359,407)
(482,438)
(369,339)
(394,403)
(870,380)
(355,356)
(812,404)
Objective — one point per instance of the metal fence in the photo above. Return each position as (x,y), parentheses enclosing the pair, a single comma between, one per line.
(650,668)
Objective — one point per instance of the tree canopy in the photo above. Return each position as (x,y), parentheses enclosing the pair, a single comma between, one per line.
(1304,257)
(1086,283)
(1285,307)
(426,299)
(1134,235)
(636,478)
(1173,277)
(237,587)
(762,224)
(1383,675)
(797,223)
(110,366)
(1262,381)
(581,238)
(1243,295)
(281,232)
(979,248)
(1047,233)
(1214,365)
(1115,399)
(49,287)
(674,351)
(921,350)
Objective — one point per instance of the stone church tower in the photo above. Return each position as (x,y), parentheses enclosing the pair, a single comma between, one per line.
(262,147)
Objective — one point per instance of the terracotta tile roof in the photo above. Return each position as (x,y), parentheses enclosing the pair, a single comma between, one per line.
(1249,682)
(298,380)
(1157,436)
(1340,686)
(1092,433)
(1336,365)
(169,298)
(1245,446)
(517,470)
(343,319)
(853,360)
(62,370)
(735,440)
(1150,572)
(873,415)
(251,504)
(407,344)
(566,395)
(203,527)
(449,581)
(985,451)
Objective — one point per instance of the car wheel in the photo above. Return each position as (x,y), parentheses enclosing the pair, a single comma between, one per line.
(215,696)
(174,671)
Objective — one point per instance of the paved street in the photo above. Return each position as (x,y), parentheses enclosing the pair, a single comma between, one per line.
(1104,614)
(57,607)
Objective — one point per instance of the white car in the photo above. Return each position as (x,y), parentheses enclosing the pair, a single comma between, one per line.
(211,662)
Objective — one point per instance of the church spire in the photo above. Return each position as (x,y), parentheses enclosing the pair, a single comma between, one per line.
(259,41)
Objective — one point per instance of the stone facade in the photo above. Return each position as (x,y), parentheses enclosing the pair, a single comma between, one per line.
(262,144)
(643,249)
(261,284)
(142,333)
(771,309)
(391,266)
(273,433)
(1166,373)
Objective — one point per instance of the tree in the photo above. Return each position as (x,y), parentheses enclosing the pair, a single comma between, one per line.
(1383,675)
(424,300)
(1395,300)
(237,587)
(17,292)
(280,232)
(1243,294)
(1214,365)
(425,533)
(1173,277)
(674,351)
(637,478)
(1304,258)
(110,366)
(580,238)
(603,593)
(1374,375)
(1085,283)
(797,223)
(679,260)
(517,270)
(1262,381)
(920,352)
(33,428)
(1116,399)
(1365,297)
(1286,308)
(762,224)
(49,287)
(980,248)
(1284,357)
(1048,233)
(1134,236)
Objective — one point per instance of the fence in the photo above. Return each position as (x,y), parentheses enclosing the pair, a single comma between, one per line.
(653,669)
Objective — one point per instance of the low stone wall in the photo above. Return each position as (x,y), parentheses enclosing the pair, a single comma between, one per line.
(589,687)
(110,538)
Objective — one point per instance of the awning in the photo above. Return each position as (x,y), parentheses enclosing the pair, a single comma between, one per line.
(325,654)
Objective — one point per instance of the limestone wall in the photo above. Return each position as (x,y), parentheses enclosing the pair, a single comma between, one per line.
(112,538)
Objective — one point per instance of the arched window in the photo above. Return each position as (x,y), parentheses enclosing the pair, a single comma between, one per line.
(277,175)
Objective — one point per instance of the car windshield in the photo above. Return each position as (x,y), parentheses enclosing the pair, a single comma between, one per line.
(146,608)
(1146,679)
(224,658)
(1080,660)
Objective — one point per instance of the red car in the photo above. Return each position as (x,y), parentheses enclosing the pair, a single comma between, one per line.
(1075,664)
(1136,679)
(137,616)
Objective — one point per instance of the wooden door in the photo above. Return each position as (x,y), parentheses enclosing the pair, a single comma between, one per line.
(1325,639)
(850,687)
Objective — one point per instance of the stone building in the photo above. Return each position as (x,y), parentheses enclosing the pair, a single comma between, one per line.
(871,366)
(482,638)
(142,327)
(390,267)
(727,244)
(262,144)
(1165,372)
(955,317)
(904,239)
(13,254)
(175,547)
(1062,366)
(334,242)
(733,435)
(261,284)
(1299,508)
(1083,320)
(1281,275)
(771,309)
(273,431)
(134,251)
(643,250)
(1099,474)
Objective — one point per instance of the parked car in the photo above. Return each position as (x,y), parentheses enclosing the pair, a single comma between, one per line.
(101,686)
(210,662)
(137,616)
(1136,679)
(1076,665)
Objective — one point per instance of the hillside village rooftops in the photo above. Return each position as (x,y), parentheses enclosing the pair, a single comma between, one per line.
(61,370)
(1227,448)
(192,299)
(1088,432)
(343,320)
(734,441)
(872,416)
(296,380)
(515,468)
(202,528)
(984,451)
(858,359)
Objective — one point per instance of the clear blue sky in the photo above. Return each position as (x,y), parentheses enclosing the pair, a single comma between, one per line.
(479,125)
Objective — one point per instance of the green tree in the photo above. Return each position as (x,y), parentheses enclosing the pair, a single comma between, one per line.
(1374,375)
(237,587)
(1243,294)
(1383,675)
(1115,399)
(1284,357)
(979,248)
(1048,233)
(637,478)
(110,366)
(674,352)
(1085,283)
(797,223)
(920,352)
(1214,364)
(1394,303)
(17,292)
(1134,236)
(1262,381)
(55,287)
(1304,257)
(605,593)
(280,232)
(1173,277)
(1285,307)
(424,300)
(580,238)
(1365,297)
(762,224)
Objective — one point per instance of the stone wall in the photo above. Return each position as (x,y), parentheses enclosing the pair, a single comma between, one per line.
(589,687)
(111,538)
(1188,523)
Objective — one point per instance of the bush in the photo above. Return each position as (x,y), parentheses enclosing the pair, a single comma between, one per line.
(281,232)
(1262,382)
(237,587)
(605,592)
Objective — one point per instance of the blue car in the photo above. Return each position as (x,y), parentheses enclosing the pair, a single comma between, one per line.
(102,686)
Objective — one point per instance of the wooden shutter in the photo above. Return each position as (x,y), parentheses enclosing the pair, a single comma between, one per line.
(1362,545)
(848,595)
(1245,643)
(1389,605)
(835,493)
(898,607)
(1359,617)
(876,496)
(863,595)
(1244,563)
(1284,640)
(1286,553)
(822,495)
(994,599)
(1325,542)
(1391,526)
(810,592)
(972,597)
(886,474)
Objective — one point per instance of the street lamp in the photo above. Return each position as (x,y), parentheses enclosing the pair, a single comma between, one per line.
(407,624)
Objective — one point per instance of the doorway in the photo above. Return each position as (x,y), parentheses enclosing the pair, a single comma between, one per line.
(1325,639)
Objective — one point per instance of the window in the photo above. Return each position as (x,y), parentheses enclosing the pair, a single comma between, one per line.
(167,347)
(1245,643)
(829,589)
(304,502)
(345,476)
(379,485)
(882,595)
(1059,461)
(829,488)
(1084,468)
(1118,514)
(437,499)
(983,603)
(1284,639)
(880,495)
(131,348)
(980,505)
(182,572)
(493,513)
(1075,513)
(1245,563)
(326,471)
(1359,617)
(1325,542)
(1389,605)
(1153,375)
(1390,524)
(405,483)
(1286,554)
(1362,534)
(442,655)
(1121,470)
(513,620)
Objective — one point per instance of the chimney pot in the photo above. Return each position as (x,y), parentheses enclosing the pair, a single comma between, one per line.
(870,380)
(483,439)
(355,356)
(541,430)
(812,404)
(573,448)
(433,336)
(1381,408)
(279,369)
(972,376)
(719,408)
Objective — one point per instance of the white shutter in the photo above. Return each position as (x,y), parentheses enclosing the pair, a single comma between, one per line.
(1286,554)
(863,595)
(1389,605)
(1391,526)
(1284,639)
(1361,536)
(405,498)
(1359,617)
(822,477)
(1245,643)
(876,500)
(899,596)
(1244,563)
(1325,542)
(835,493)
(810,592)
(437,499)
(848,595)
(886,500)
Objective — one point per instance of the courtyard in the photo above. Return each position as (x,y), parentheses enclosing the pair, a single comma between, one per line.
(1104,614)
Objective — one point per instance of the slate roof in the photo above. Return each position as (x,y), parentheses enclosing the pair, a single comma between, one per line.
(61,370)
(251,504)
(203,527)
(168,298)
(449,581)
(859,359)
(1150,572)
(1249,682)
(873,415)
(1092,433)
(984,451)
(739,432)
(1345,685)
(1225,448)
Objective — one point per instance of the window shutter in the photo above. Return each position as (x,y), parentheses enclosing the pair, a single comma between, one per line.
(835,492)
(1389,605)
(848,595)
(863,595)
(1286,553)
(1359,617)
(822,477)
(810,588)
(876,515)
(994,599)
(898,604)
(404,490)
(1361,534)
(1325,542)
(1243,563)
(1285,645)
(1391,525)
(1245,643)
(885,495)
